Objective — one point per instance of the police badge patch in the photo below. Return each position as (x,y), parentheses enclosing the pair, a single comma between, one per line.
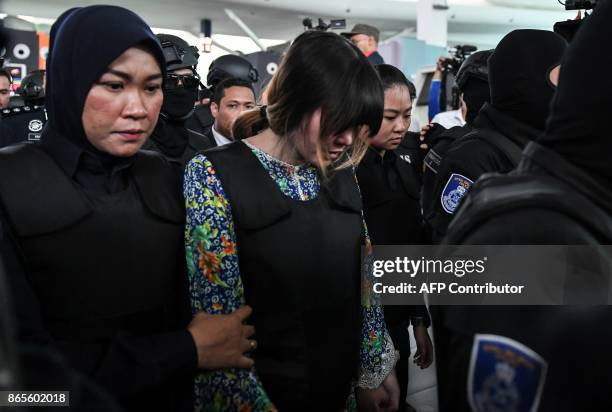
(504,376)
(35,125)
(454,190)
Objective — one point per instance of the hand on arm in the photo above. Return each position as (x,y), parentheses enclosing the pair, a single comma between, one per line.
(222,340)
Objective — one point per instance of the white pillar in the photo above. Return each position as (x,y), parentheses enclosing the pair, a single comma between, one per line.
(432,23)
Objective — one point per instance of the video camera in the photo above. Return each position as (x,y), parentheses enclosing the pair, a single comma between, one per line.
(458,55)
(568,28)
(322,26)
(580,4)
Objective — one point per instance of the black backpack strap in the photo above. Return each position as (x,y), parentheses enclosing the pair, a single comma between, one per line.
(502,143)
(495,193)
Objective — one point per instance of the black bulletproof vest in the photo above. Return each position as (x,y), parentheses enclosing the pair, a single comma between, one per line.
(97,263)
(299,262)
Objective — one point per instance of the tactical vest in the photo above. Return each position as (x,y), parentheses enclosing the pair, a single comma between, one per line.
(97,263)
(299,262)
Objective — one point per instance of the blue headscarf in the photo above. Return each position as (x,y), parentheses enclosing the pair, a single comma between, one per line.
(83,43)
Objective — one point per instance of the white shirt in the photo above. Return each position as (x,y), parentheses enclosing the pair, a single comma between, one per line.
(415,125)
(219,138)
(449,119)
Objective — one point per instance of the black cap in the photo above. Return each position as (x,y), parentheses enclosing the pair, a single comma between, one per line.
(363,29)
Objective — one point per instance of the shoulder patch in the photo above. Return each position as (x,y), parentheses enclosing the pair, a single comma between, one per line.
(504,376)
(456,187)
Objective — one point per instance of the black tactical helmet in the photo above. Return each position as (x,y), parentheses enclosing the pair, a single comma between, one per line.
(475,66)
(33,86)
(177,53)
(231,66)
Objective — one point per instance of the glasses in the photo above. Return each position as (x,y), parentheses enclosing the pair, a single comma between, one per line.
(189,81)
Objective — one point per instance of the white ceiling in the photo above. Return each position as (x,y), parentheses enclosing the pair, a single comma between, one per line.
(482,22)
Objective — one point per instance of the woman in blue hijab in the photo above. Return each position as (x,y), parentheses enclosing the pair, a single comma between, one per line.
(92,228)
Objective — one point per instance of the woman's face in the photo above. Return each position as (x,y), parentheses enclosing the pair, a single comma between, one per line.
(322,151)
(396,118)
(122,107)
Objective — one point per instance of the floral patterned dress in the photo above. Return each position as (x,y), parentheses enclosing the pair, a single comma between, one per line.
(216,286)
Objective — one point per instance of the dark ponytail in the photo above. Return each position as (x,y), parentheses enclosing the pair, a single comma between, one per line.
(250,123)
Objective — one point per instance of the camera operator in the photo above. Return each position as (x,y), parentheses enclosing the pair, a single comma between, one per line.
(442,82)
(181,85)
(446,119)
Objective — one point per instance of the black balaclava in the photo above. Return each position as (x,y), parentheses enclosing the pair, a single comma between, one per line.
(170,134)
(179,103)
(519,72)
(577,128)
(475,94)
(83,43)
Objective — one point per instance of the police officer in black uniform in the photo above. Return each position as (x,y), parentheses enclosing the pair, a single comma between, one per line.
(224,67)
(181,86)
(559,194)
(473,83)
(390,190)
(521,73)
(25,123)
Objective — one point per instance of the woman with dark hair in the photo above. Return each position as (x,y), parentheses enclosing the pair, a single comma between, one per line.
(392,211)
(92,228)
(275,221)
